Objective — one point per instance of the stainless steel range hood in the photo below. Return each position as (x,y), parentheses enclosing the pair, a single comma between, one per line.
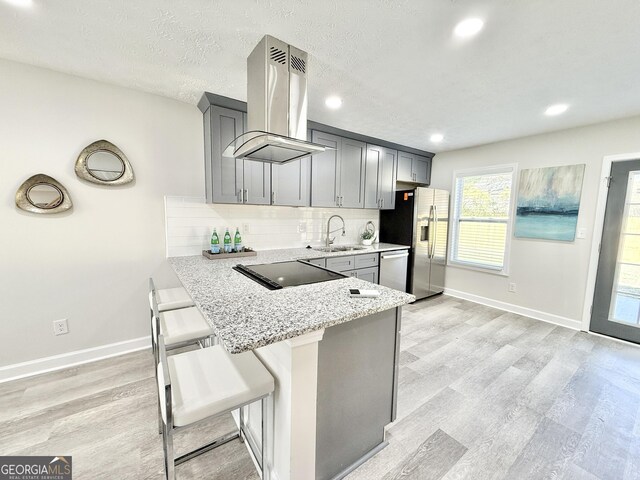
(276,105)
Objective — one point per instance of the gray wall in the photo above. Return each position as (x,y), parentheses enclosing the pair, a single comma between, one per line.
(550,276)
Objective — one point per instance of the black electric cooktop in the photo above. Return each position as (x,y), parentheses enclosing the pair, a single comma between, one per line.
(287,274)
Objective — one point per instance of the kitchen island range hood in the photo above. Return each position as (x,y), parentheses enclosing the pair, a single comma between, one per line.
(276,105)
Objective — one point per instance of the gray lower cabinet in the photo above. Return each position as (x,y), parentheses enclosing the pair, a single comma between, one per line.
(337,174)
(363,266)
(341,264)
(380,178)
(413,168)
(230,180)
(321,262)
(369,274)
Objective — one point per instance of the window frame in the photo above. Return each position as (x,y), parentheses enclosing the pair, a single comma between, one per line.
(511,168)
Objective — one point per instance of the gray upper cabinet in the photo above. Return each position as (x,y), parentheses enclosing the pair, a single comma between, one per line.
(324,171)
(380,177)
(224,182)
(230,180)
(405,167)
(257,182)
(352,168)
(422,169)
(413,168)
(290,183)
(349,174)
(337,174)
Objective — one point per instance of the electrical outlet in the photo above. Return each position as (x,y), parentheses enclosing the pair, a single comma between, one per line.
(246,228)
(512,287)
(582,233)
(60,327)
(302,227)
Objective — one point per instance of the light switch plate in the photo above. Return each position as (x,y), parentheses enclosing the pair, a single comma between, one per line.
(582,233)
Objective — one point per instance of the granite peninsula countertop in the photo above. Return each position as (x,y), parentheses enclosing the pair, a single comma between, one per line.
(245,315)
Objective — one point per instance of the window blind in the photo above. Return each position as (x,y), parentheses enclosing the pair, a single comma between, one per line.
(481,218)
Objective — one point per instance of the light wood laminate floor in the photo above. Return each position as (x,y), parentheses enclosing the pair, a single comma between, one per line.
(483,394)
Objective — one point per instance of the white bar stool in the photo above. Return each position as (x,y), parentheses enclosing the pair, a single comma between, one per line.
(180,328)
(197,385)
(169,298)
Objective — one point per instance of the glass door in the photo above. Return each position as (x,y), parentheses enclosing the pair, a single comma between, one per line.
(616,306)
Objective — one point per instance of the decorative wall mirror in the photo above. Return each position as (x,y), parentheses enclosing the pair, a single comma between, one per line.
(104,163)
(43,194)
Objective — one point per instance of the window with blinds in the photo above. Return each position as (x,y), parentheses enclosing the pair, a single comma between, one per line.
(481,217)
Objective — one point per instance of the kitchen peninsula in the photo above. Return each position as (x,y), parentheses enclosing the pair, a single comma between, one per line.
(334,357)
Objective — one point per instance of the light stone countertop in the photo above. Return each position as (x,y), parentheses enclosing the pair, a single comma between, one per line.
(245,315)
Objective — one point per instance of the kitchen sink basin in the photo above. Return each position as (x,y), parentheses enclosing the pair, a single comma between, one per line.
(339,249)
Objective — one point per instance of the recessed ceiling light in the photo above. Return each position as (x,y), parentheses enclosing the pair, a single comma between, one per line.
(333,102)
(20,3)
(436,137)
(468,27)
(557,109)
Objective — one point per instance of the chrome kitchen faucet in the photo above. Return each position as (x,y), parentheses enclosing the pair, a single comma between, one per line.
(329,231)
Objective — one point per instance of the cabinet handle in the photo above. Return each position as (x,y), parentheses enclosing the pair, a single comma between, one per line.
(382,202)
(240,196)
(246,196)
(273,198)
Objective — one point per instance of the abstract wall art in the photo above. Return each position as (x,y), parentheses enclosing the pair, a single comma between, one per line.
(548,202)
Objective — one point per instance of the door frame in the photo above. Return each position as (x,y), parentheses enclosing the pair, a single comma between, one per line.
(598,226)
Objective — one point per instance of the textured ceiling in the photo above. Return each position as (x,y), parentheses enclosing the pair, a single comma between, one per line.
(394,62)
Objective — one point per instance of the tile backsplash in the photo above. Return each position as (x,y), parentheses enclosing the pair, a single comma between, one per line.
(189,222)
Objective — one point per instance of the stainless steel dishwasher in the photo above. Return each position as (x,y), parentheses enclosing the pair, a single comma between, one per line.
(393,269)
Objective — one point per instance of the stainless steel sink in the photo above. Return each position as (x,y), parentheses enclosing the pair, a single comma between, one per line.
(325,249)
(344,248)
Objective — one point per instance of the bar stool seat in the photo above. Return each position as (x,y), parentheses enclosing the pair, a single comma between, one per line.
(200,384)
(210,381)
(171,299)
(183,325)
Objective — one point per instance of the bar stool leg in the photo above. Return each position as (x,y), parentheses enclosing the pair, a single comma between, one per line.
(169,461)
(241,428)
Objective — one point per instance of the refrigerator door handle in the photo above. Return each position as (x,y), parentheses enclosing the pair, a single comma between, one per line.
(435,231)
(429,232)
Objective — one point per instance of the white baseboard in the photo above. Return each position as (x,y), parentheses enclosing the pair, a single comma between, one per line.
(509,307)
(71,359)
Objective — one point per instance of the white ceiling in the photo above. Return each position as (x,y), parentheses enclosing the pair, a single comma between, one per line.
(395,63)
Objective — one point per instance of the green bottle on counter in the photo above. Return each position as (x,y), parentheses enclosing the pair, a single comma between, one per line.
(215,242)
(237,241)
(227,241)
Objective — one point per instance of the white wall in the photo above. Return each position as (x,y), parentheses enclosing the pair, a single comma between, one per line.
(190,222)
(550,276)
(89,265)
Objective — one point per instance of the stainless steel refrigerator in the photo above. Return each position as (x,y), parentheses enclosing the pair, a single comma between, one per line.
(420,219)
